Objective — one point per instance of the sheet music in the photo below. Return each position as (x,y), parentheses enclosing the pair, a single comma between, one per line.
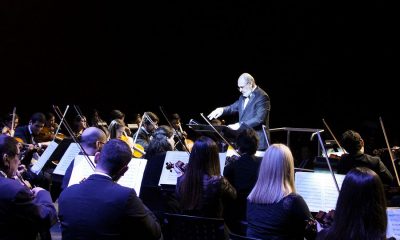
(133,177)
(81,169)
(37,167)
(69,155)
(169,177)
(393,227)
(318,189)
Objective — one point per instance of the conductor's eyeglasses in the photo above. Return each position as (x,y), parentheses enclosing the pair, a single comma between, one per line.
(241,87)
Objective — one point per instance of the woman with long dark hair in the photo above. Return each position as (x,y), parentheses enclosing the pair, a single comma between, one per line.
(201,190)
(361,208)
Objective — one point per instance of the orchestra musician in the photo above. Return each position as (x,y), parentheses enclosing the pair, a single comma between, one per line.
(253,107)
(355,157)
(148,125)
(29,134)
(161,141)
(78,125)
(8,127)
(179,133)
(274,209)
(92,141)
(242,173)
(360,211)
(98,208)
(24,213)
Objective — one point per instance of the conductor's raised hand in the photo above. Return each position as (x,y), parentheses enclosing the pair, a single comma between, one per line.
(216,113)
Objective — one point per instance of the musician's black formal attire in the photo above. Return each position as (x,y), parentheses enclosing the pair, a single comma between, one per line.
(22,215)
(99,208)
(242,173)
(350,161)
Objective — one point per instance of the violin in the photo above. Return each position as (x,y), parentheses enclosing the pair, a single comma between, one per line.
(137,149)
(19,177)
(380,151)
(179,166)
(325,219)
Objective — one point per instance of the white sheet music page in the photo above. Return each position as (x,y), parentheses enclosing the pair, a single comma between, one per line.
(318,189)
(37,167)
(133,177)
(393,227)
(69,155)
(169,176)
(81,170)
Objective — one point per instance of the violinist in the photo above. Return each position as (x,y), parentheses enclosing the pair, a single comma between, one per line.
(149,125)
(179,133)
(242,173)
(360,211)
(118,115)
(161,141)
(92,141)
(78,125)
(29,134)
(118,129)
(23,212)
(8,127)
(355,157)
(274,209)
(49,130)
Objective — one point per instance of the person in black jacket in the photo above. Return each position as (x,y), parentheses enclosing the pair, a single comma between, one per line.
(355,157)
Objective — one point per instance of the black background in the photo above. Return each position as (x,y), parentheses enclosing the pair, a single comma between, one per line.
(315,59)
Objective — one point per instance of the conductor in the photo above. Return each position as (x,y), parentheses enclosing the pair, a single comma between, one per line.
(253,107)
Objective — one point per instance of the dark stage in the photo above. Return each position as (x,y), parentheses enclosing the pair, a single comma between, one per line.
(336,61)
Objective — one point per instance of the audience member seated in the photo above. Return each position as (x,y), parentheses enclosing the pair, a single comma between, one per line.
(360,209)
(23,212)
(355,157)
(274,209)
(99,208)
(242,173)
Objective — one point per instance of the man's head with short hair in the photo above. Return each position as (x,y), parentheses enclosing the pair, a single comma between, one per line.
(114,158)
(37,122)
(352,141)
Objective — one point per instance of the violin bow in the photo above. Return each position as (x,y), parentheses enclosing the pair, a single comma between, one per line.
(333,135)
(70,132)
(170,124)
(202,115)
(13,119)
(389,150)
(61,121)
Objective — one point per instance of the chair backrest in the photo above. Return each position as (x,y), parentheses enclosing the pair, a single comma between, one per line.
(233,236)
(179,226)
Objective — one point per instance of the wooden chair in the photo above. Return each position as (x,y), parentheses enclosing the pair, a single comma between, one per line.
(185,227)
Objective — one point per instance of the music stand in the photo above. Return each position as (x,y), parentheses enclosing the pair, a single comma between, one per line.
(206,130)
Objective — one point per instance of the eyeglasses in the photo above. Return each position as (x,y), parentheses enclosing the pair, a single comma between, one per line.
(241,87)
